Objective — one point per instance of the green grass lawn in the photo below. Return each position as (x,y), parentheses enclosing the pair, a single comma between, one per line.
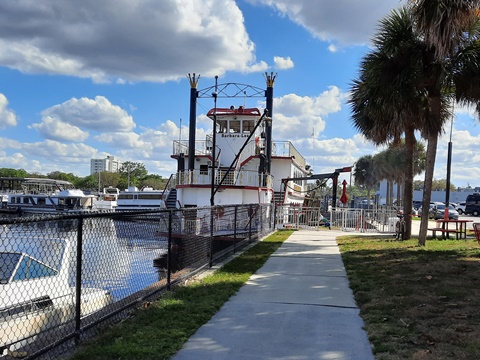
(159,329)
(416,302)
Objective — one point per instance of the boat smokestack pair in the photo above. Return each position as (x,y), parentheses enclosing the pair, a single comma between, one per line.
(270,80)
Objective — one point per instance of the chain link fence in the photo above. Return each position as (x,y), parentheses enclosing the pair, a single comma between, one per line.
(62,275)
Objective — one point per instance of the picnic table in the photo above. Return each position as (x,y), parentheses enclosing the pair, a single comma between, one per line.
(443,226)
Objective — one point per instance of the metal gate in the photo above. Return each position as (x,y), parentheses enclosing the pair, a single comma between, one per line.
(374,220)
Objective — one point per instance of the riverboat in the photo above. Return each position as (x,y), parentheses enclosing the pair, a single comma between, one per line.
(238,162)
(240,174)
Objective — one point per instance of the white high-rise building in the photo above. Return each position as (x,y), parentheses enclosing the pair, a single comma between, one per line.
(108,164)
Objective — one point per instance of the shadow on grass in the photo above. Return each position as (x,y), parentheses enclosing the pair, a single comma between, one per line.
(417,302)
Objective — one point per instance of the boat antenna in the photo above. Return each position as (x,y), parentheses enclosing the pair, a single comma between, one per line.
(180,135)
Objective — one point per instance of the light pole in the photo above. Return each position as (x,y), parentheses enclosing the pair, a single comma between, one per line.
(449,166)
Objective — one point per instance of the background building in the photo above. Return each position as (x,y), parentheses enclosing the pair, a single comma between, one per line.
(108,164)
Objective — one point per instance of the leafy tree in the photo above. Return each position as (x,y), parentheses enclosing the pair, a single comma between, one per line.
(132,172)
(153,181)
(364,173)
(58,175)
(441,185)
(108,178)
(89,182)
(8,172)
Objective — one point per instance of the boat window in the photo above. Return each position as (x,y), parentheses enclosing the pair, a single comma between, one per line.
(125,196)
(235,126)
(247,126)
(41,201)
(32,269)
(13,200)
(150,196)
(8,261)
(222,126)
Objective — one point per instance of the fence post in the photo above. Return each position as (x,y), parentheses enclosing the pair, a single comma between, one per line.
(261,220)
(78,279)
(273,211)
(169,249)
(210,264)
(235,229)
(250,215)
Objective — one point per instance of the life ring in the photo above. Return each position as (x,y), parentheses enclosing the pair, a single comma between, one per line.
(219,211)
(257,141)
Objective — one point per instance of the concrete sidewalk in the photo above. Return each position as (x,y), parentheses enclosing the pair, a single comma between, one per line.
(297,306)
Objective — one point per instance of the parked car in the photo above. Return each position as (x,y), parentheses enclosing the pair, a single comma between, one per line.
(417,204)
(419,210)
(460,208)
(472,204)
(438,212)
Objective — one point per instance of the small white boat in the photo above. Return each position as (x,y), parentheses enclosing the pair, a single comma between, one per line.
(35,295)
(108,199)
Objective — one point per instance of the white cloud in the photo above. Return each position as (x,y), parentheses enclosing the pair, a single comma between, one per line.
(6,143)
(7,116)
(295,116)
(95,114)
(282,63)
(65,121)
(344,21)
(123,40)
(123,140)
(54,129)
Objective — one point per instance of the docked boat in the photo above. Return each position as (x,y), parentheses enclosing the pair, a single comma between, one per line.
(35,294)
(239,162)
(240,174)
(140,199)
(50,196)
(108,199)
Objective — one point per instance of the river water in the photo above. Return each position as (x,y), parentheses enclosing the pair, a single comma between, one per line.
(116,256)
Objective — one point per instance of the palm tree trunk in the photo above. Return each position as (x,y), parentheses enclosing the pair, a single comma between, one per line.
(427,187)
(410,142)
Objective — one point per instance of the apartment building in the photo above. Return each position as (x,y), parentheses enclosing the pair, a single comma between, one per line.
(110,163)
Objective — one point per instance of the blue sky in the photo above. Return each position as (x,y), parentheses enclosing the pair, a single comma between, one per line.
(86,79)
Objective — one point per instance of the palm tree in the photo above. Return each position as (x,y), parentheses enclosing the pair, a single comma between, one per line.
(386,100)
(364,173)
(451,64)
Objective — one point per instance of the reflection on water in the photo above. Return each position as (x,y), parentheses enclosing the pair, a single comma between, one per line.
(122,265)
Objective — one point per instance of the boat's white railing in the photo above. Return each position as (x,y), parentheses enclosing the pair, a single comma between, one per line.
(286,148)
(233,178)
(202,147)
(279,148)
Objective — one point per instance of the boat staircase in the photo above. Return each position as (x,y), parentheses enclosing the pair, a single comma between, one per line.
(171,201)
(278,197)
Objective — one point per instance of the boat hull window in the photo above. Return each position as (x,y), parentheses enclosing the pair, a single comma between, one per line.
(32,269)
(9,262)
